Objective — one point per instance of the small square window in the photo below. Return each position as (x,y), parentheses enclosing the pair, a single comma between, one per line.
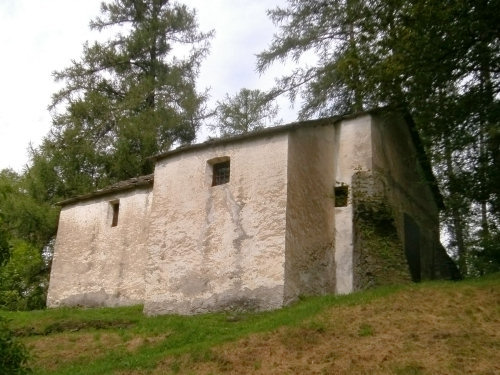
(341,195)
(115,205)
(220,173)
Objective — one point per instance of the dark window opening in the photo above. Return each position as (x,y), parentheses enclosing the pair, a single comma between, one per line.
(220,173)
(341,195)
(116,211)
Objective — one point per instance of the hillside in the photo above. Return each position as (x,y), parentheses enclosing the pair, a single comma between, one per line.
(429,328)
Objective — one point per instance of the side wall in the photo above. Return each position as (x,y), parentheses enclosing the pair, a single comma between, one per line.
(310,227)
(94,263)
(218,247)
(416,215)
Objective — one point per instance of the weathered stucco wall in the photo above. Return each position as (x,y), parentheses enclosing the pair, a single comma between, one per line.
(310,226)
(94,263)
(353,146)
(218,247)
(269,235)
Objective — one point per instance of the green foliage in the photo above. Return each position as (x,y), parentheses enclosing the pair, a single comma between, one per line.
(437,60)
(485,258)
(27,228)
(23,279)
(247,111)
(24,214)
(125,99)
(13,354)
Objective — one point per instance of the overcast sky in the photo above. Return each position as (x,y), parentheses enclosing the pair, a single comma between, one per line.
(40,36)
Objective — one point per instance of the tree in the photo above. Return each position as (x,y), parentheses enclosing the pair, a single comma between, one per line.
(334,32)
(27,227)
(127,98)
(246,111)
(440,61)
(23,279)
(23,214)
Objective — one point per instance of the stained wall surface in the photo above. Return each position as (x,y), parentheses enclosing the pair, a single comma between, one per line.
(310,225)
(96,264)
(219,247)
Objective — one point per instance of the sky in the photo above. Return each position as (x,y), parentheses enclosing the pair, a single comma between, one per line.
(38,37)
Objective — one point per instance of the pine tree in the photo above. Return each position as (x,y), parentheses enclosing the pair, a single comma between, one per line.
(128,98)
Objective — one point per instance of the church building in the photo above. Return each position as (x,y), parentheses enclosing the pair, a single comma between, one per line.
(254,221)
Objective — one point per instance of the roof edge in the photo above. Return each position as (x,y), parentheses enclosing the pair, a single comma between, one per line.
(264,132)
(132,183)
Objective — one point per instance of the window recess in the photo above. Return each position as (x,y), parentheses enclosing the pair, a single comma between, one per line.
(221,172)
(115,207)
(341,195)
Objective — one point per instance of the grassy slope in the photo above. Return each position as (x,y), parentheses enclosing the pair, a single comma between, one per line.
(431,328)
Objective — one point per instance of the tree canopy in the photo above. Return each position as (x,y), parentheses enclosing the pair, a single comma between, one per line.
(246,111)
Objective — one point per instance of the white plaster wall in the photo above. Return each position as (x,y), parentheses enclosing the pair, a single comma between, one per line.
(220,247)
(310,212)
(353,153)
(94,263)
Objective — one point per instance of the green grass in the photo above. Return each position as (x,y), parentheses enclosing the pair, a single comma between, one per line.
(174,335)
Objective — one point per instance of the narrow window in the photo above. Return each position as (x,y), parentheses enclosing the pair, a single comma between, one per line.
(115,205)
(220,173)
(341,195)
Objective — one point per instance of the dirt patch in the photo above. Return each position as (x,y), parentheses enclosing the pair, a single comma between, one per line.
(419,332)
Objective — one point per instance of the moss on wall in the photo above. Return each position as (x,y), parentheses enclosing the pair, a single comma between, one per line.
(379,257)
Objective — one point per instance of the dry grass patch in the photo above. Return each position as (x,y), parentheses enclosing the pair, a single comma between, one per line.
(51,352)
(413,332)
(54,351)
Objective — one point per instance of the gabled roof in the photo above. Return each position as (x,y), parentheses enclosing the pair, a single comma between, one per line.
(132,183)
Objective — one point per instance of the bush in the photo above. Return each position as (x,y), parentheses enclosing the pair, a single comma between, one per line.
(13,354)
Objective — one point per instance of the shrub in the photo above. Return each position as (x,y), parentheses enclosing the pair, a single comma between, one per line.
(13,354)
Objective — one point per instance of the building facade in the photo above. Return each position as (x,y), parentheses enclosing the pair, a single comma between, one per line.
(255,221)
